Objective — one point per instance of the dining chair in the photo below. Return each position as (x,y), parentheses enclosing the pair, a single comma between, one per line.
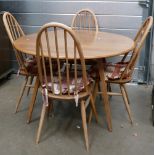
(27,64)
(85,19)
(62,85)
(121,72)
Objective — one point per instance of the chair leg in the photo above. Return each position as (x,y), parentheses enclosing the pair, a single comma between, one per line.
(124,94)
(21,94)
(93,107)
(41,122)
(99,88)
(83,115)
(32,102)
(94,96)
(96,89)
(30,83)
(90,116)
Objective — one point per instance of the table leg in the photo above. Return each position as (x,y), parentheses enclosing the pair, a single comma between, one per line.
(32,102)
(104,94)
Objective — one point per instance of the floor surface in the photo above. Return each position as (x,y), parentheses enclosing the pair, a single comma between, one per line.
(63,135)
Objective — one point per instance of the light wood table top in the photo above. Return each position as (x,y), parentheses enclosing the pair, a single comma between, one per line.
(94,45)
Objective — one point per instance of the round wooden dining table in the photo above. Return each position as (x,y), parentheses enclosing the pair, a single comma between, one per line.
(95,45)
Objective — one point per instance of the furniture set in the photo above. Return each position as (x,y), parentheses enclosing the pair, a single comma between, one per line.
(52,58)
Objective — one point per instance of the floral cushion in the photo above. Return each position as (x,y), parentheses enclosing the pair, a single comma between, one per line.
(72,89)
(114,70)
(31,65)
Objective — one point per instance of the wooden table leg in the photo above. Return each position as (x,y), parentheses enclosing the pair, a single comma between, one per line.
(104,94)
(32,102)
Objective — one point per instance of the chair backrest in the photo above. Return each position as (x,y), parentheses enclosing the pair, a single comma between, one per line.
(14,32)
(49,56)
(85,19)
(139,42)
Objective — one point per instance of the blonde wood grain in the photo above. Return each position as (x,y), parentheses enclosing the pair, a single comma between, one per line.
(52,45)
(32,101)
(85,19)
(126,76)
(84,124)
(95,91)
(14,32)
(21,94)
(105,95)
(114,94)
(94,45)
(139,42)
(93,107)
(41,122)
(126,102)
(126,94)
(30,84)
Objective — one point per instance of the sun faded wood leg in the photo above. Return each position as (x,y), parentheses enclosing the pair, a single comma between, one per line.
(90,116)
(104,94)
(93,108)
(41,122)
(94,97)
(30,83)
(84,124)
(21,94)
(126,103)
(32,102)
(126,94)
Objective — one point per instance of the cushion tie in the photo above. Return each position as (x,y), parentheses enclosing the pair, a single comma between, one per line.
(45,95)
(18,72)
(76,97)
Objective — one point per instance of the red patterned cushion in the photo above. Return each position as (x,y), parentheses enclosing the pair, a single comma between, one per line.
(31,65)
(56,85)
(114,70)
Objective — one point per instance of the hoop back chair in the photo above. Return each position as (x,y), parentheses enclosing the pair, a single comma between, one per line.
(85,19)
(123,70)
(27,64)
(139,42)
(62,85)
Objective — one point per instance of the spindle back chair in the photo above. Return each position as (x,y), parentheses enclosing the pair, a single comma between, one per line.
(124,69)
(27,64)
(58,83)
(128,65)
(85,19)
